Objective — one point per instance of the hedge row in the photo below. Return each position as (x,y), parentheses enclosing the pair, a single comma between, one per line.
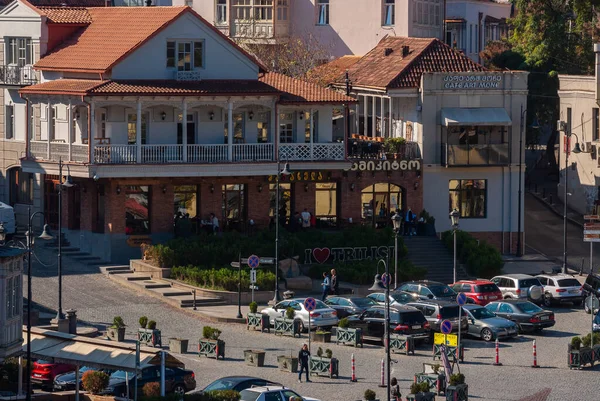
(481,259)
(363,272)
(222,279)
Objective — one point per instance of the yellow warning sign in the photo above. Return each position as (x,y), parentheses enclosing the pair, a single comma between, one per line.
(451,339)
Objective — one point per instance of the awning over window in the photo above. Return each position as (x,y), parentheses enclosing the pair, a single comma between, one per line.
(475,116)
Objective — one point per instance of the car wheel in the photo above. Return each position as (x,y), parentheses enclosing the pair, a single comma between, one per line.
(547,300)
(179,389)
(487,335)
(301,326)
(586,308)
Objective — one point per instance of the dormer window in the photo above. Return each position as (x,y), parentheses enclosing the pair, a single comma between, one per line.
(185,55)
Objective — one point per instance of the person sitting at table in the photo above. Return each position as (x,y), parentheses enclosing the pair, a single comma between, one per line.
(215,223)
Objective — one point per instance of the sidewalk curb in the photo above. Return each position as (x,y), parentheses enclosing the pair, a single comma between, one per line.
(552,209)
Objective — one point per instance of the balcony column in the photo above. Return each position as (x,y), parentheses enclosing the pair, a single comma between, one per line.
(70,130)
(391,124)
(91,128)
(230,130)
(366,114)
(138,131)
(274,127)
(48,127)
(311,134)
(373,117)
(184,129)
(357,117)
(381,118)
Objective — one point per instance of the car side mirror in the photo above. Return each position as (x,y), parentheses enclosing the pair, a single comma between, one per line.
(274,307)
(471,320)
(430,296)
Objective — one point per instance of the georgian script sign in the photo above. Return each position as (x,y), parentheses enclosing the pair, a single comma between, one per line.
(385,165)
(346,254)
(472,81)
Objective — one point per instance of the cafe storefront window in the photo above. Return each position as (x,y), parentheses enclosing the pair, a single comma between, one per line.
(378,200)
(137,210)
(326,202)
(234,206)
(285,199)
(186,201)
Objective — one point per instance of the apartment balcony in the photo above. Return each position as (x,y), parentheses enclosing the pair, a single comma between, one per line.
(15,75)
(475,155)
(260,31)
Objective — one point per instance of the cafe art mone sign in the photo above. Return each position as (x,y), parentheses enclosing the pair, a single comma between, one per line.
(472,81)
(346,254)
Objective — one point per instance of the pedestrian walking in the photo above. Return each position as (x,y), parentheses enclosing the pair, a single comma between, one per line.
(335,285)
(326,284)
(303,356)
(395,390)
(305,219)
(215,223)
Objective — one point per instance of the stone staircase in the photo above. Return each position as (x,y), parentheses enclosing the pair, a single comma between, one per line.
(75,253)
(431,254)
(177,295)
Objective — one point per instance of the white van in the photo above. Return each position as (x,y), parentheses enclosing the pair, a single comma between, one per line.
(7,218)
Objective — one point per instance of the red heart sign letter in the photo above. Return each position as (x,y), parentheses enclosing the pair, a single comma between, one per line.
(321,254)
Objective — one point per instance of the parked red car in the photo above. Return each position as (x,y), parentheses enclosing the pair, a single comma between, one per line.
(480,292)
(44,372)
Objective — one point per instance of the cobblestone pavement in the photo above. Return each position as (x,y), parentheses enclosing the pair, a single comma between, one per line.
(98,299)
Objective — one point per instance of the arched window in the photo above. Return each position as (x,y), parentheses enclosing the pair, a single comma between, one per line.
(378,200)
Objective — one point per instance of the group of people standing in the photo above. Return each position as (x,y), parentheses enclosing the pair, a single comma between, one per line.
(330,285)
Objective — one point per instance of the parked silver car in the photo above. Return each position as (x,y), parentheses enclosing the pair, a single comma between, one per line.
(322,316)
(397,298)
(487,326)
(520,286)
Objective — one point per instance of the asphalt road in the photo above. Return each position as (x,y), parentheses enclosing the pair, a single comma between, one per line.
(544,234)
(98,299)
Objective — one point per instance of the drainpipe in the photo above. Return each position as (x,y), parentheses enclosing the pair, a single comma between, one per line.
(89,127)
(27,124)
(597,53)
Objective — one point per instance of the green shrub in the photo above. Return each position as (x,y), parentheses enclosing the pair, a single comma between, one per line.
(587,340)
(225,279)
(427,218)
(422,387)
(143,322)
(289,312)
(151,389)
(480,258)
(9,373)
(394,145)
(152,325)
(94,381)
(363,271)
(370,395)
(253,307)
(328,353)
(320,352)
(457,378)
(118,322)
(343,323)
(576,342)
(207,332)
(222,395)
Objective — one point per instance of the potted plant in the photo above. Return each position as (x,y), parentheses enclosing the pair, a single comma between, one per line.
(116,332)
(321,336)
(434,376)
(148,334)
(288,325)
(94,381)
(347,335)
(210,345)
(323,365)
(178,345)
(457,390)
(254,358)
(394,147)
(420,392)
(370,395)
(581,352)
(287,363)
(257,320)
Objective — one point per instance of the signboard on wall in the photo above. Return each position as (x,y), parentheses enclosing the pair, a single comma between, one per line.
(135,241)
(346,254)
(385,165)
(472,81)
(302,176)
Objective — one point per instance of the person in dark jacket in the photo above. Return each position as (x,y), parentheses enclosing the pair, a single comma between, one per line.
(303,356)
(335,285)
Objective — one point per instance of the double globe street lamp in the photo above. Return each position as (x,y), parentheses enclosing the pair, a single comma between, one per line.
(285,172)
(454,216)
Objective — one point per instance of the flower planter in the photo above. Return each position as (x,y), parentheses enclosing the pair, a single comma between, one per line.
(429,396)
(178,345)
(400,343)
(459,392)
(211,348)
(453,356)
(116,334)
(288,327)
(578,358)
(258,321)
(348,336)
(323,366)
(287,363)
(254,357)
(150,337)
(323,337)
(436,381)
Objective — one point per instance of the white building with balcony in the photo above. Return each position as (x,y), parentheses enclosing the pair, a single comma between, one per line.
(11,302)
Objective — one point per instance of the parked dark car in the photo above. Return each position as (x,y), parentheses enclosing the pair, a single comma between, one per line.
(403,320)
(44,372)
(66,381)
(397,298)
(237,383)
(437,311)
(349,306)
(487,326)
(177,380)
(426,289)
(527,315)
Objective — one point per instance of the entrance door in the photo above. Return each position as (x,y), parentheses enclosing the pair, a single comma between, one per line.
(74,199)
(99,210)
(191,130)
(51,201)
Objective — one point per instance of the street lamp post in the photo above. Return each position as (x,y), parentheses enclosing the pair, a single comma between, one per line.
(284,172)
(44,236)
(454,216)
(66,184)
(387,325)
(397,223)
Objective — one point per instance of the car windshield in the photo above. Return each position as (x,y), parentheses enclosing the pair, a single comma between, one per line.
(486,288)
(597,318)
(321,305)
(248,395)
(415,317)
(42,362)
(481,313)
(402,297)
(441,290)
(528,282)
(120,374)
(528,307)
(221,384)
(449,312)
(568,282)
(363,302)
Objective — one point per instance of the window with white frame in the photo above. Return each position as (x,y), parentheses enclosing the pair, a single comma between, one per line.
(315,125)
(19,51)
(221,11)
(52,121)
(322,12)
(9,121)
(286,127)
(389,12)
(282,10)
(242,9)
(263,10)
(262,127)
(185,55)
(427,12)
(132,128)
(102,124)
(238,128)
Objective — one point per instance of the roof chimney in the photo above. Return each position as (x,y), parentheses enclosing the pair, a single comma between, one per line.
(597,52)
(387,51)
(405,51)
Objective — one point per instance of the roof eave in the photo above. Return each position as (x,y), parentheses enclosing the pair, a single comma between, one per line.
(299,103)
(70,69)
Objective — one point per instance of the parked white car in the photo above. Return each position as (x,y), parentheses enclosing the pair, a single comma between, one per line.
(322,316)
(268,393)
(559,288)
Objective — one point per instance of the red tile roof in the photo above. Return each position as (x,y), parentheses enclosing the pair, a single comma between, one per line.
(67,15)
(299,91)
(324,74)
(175,88)
(378,70)
(63,86)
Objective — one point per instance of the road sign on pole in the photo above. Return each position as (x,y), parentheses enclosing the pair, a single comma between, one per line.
(386,279)
(310,304)
(262,261)
(253,261)
(461,298)
(446,326)
(253,276)
(235,264)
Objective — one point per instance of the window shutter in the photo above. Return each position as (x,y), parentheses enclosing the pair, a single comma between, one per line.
(8,126)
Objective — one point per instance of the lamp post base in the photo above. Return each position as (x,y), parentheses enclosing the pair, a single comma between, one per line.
(63,324)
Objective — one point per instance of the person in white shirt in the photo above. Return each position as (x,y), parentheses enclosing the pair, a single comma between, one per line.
(215,223)
(305,218)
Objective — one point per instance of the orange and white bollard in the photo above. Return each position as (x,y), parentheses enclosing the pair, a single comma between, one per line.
(382,384)
(353,379)
(535,364)
(497,363)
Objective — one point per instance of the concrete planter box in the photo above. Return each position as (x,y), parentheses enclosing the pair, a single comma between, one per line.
(453,353)
(323,366)
(348,336)
(403,344)
(579,358)
(287,363)
(178,345)
(255,358)
(211,348)
(116,334)
(258,321)
(429,396)
(140,266)
(459,392)
(288,327)
(150,337)
(321,337)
